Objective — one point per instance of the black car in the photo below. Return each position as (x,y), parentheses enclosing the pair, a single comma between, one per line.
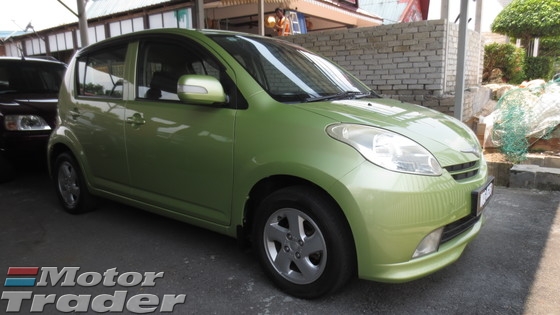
(28,99)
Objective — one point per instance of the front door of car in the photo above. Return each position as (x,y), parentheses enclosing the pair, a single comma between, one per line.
(179,155)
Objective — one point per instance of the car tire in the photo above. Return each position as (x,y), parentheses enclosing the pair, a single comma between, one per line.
(69,183)
(303,242)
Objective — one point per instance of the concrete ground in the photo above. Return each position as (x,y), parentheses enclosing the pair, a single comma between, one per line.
(513,267)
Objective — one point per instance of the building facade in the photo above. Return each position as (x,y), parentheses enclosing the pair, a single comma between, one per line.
(109,18)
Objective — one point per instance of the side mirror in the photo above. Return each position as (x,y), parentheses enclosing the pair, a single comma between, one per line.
(200,90)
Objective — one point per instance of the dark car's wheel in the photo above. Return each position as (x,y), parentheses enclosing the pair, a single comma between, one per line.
(70,185)
(303,242)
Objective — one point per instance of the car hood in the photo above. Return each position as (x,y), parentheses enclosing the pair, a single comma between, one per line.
(448,139)
(43,105)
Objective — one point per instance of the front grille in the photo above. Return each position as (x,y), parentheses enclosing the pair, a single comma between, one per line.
(463,170)
(453,229)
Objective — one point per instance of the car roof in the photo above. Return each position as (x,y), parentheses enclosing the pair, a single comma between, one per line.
(45,59)
(161,31)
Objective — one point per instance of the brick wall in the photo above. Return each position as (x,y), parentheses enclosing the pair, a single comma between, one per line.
(413,62)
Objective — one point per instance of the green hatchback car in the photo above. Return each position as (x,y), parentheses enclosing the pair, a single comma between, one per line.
(265,141)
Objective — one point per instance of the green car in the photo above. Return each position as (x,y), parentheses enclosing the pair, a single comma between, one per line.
(265,141)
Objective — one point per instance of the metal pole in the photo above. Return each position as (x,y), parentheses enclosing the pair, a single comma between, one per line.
(478,29)
(478,19)
(461,57)
(200,14)
(444,10)
(83,22)
(261,17)
(536,47)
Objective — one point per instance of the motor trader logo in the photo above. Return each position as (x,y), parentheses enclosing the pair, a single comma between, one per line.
(28,277)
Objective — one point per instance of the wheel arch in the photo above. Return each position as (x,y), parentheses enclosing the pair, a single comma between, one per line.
(54,151)
(63,140)
(268,185)
(283,197)
(58,148)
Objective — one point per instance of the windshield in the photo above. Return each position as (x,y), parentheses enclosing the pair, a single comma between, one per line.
(30,77)
(290,73)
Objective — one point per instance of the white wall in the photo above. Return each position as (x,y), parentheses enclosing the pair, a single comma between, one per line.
(490,9)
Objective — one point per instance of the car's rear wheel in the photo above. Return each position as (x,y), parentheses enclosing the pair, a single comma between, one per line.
(70,186)
(303,242)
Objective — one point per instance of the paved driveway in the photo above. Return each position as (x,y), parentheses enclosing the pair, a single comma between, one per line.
(511,268)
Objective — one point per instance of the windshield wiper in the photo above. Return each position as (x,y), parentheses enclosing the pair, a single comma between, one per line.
(341,95)
(374,94)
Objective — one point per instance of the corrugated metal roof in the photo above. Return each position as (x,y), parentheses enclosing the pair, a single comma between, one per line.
(6,34)
(389,10)
(99,8)
(240,2)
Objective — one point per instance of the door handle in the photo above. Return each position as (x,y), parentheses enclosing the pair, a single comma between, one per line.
(74,113)
(135,120)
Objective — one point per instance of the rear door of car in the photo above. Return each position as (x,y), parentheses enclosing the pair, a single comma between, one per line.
(179,155)
(96,116)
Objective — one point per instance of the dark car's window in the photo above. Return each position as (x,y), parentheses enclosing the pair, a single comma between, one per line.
(288,72)
(100,74)
(28,76)
(162,63)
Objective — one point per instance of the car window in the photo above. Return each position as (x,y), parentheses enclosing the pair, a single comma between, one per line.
(161,65)
(100,74)
(4,78)
(287,72)
(30,77)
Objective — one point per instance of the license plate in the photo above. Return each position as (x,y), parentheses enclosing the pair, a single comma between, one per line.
(481,196)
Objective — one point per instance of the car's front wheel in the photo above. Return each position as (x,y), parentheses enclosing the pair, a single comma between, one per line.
(70,186)
(303,242)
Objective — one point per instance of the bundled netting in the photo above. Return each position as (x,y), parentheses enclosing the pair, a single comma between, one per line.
(523,114)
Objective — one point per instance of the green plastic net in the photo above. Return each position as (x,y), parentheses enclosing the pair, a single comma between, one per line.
(525,115)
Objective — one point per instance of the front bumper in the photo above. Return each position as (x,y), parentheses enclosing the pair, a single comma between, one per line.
(447,253)
(390,213)
(24,142)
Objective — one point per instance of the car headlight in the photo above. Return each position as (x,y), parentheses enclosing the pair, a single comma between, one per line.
(25,123)
(387,149)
